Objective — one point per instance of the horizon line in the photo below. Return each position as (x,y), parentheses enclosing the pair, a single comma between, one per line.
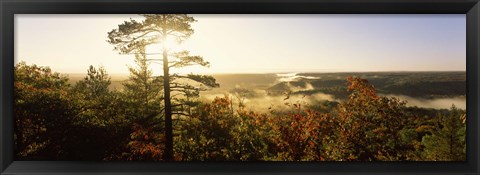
(297,72)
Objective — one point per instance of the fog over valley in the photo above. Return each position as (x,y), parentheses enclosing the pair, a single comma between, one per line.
(438,90)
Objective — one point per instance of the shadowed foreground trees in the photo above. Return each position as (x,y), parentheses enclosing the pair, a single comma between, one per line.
(43,113)
(87,121)
(55,121)
(99,116)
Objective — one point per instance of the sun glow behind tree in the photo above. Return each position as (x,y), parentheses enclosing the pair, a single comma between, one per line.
(133,36)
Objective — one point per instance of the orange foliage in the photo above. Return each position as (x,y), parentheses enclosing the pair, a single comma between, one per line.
(369,124)
(303,134)
(146,144)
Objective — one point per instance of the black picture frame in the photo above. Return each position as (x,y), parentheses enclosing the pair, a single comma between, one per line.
(8,8)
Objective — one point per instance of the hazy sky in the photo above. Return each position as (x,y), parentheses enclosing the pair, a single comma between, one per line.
(259,43)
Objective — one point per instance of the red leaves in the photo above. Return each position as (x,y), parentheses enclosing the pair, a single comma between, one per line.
(146,144)
(303,134)
(369,124)
(361,87)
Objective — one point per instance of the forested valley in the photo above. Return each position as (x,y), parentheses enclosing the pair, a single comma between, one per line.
(56,120)
(166,117)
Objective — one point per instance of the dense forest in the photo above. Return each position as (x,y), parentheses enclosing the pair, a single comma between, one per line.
(87,121)
(164,118)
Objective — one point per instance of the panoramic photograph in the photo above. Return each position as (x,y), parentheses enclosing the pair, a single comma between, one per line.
(238,87)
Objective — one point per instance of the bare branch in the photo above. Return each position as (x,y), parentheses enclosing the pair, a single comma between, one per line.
(181,113)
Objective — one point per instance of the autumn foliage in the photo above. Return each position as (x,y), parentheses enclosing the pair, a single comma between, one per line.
(145,144)
(57,121)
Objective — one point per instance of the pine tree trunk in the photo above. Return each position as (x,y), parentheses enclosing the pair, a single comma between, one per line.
(168,155)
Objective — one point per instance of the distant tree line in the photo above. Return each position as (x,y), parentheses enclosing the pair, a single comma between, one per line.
(426,85)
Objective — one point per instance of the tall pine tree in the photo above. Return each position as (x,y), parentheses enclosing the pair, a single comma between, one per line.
(142,91)
(160,28)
